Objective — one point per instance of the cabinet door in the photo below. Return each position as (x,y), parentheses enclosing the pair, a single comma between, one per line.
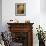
(20,37)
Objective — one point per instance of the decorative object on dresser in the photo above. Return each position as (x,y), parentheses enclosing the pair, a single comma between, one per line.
(13,21)
(22,33)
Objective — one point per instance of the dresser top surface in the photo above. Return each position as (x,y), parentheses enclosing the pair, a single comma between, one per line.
(19,23)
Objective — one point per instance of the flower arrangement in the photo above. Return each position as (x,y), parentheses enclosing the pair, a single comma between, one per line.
(40,34)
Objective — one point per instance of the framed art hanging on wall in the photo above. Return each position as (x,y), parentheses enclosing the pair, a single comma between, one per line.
(20,9)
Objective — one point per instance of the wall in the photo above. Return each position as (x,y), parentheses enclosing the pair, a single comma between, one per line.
(0,15)
(33,13)
(43,14)
(43,6)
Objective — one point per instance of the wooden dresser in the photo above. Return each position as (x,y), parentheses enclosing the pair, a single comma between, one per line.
(22,33)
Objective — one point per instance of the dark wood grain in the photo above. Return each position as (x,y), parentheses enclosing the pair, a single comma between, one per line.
(23,27)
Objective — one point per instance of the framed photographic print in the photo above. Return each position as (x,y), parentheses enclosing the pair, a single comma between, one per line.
(20,9)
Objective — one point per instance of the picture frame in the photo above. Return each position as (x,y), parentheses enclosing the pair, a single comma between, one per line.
(20,9)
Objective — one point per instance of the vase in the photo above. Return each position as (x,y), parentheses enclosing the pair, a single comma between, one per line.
(41,43)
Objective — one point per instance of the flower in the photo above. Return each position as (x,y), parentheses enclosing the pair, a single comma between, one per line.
(40,33)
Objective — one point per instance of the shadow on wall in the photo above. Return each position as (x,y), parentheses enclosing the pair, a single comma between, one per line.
(0,15)
(43,6)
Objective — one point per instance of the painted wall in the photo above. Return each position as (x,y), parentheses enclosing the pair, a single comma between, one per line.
(43,14)
(43,6)
(33,13)
(0,15)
